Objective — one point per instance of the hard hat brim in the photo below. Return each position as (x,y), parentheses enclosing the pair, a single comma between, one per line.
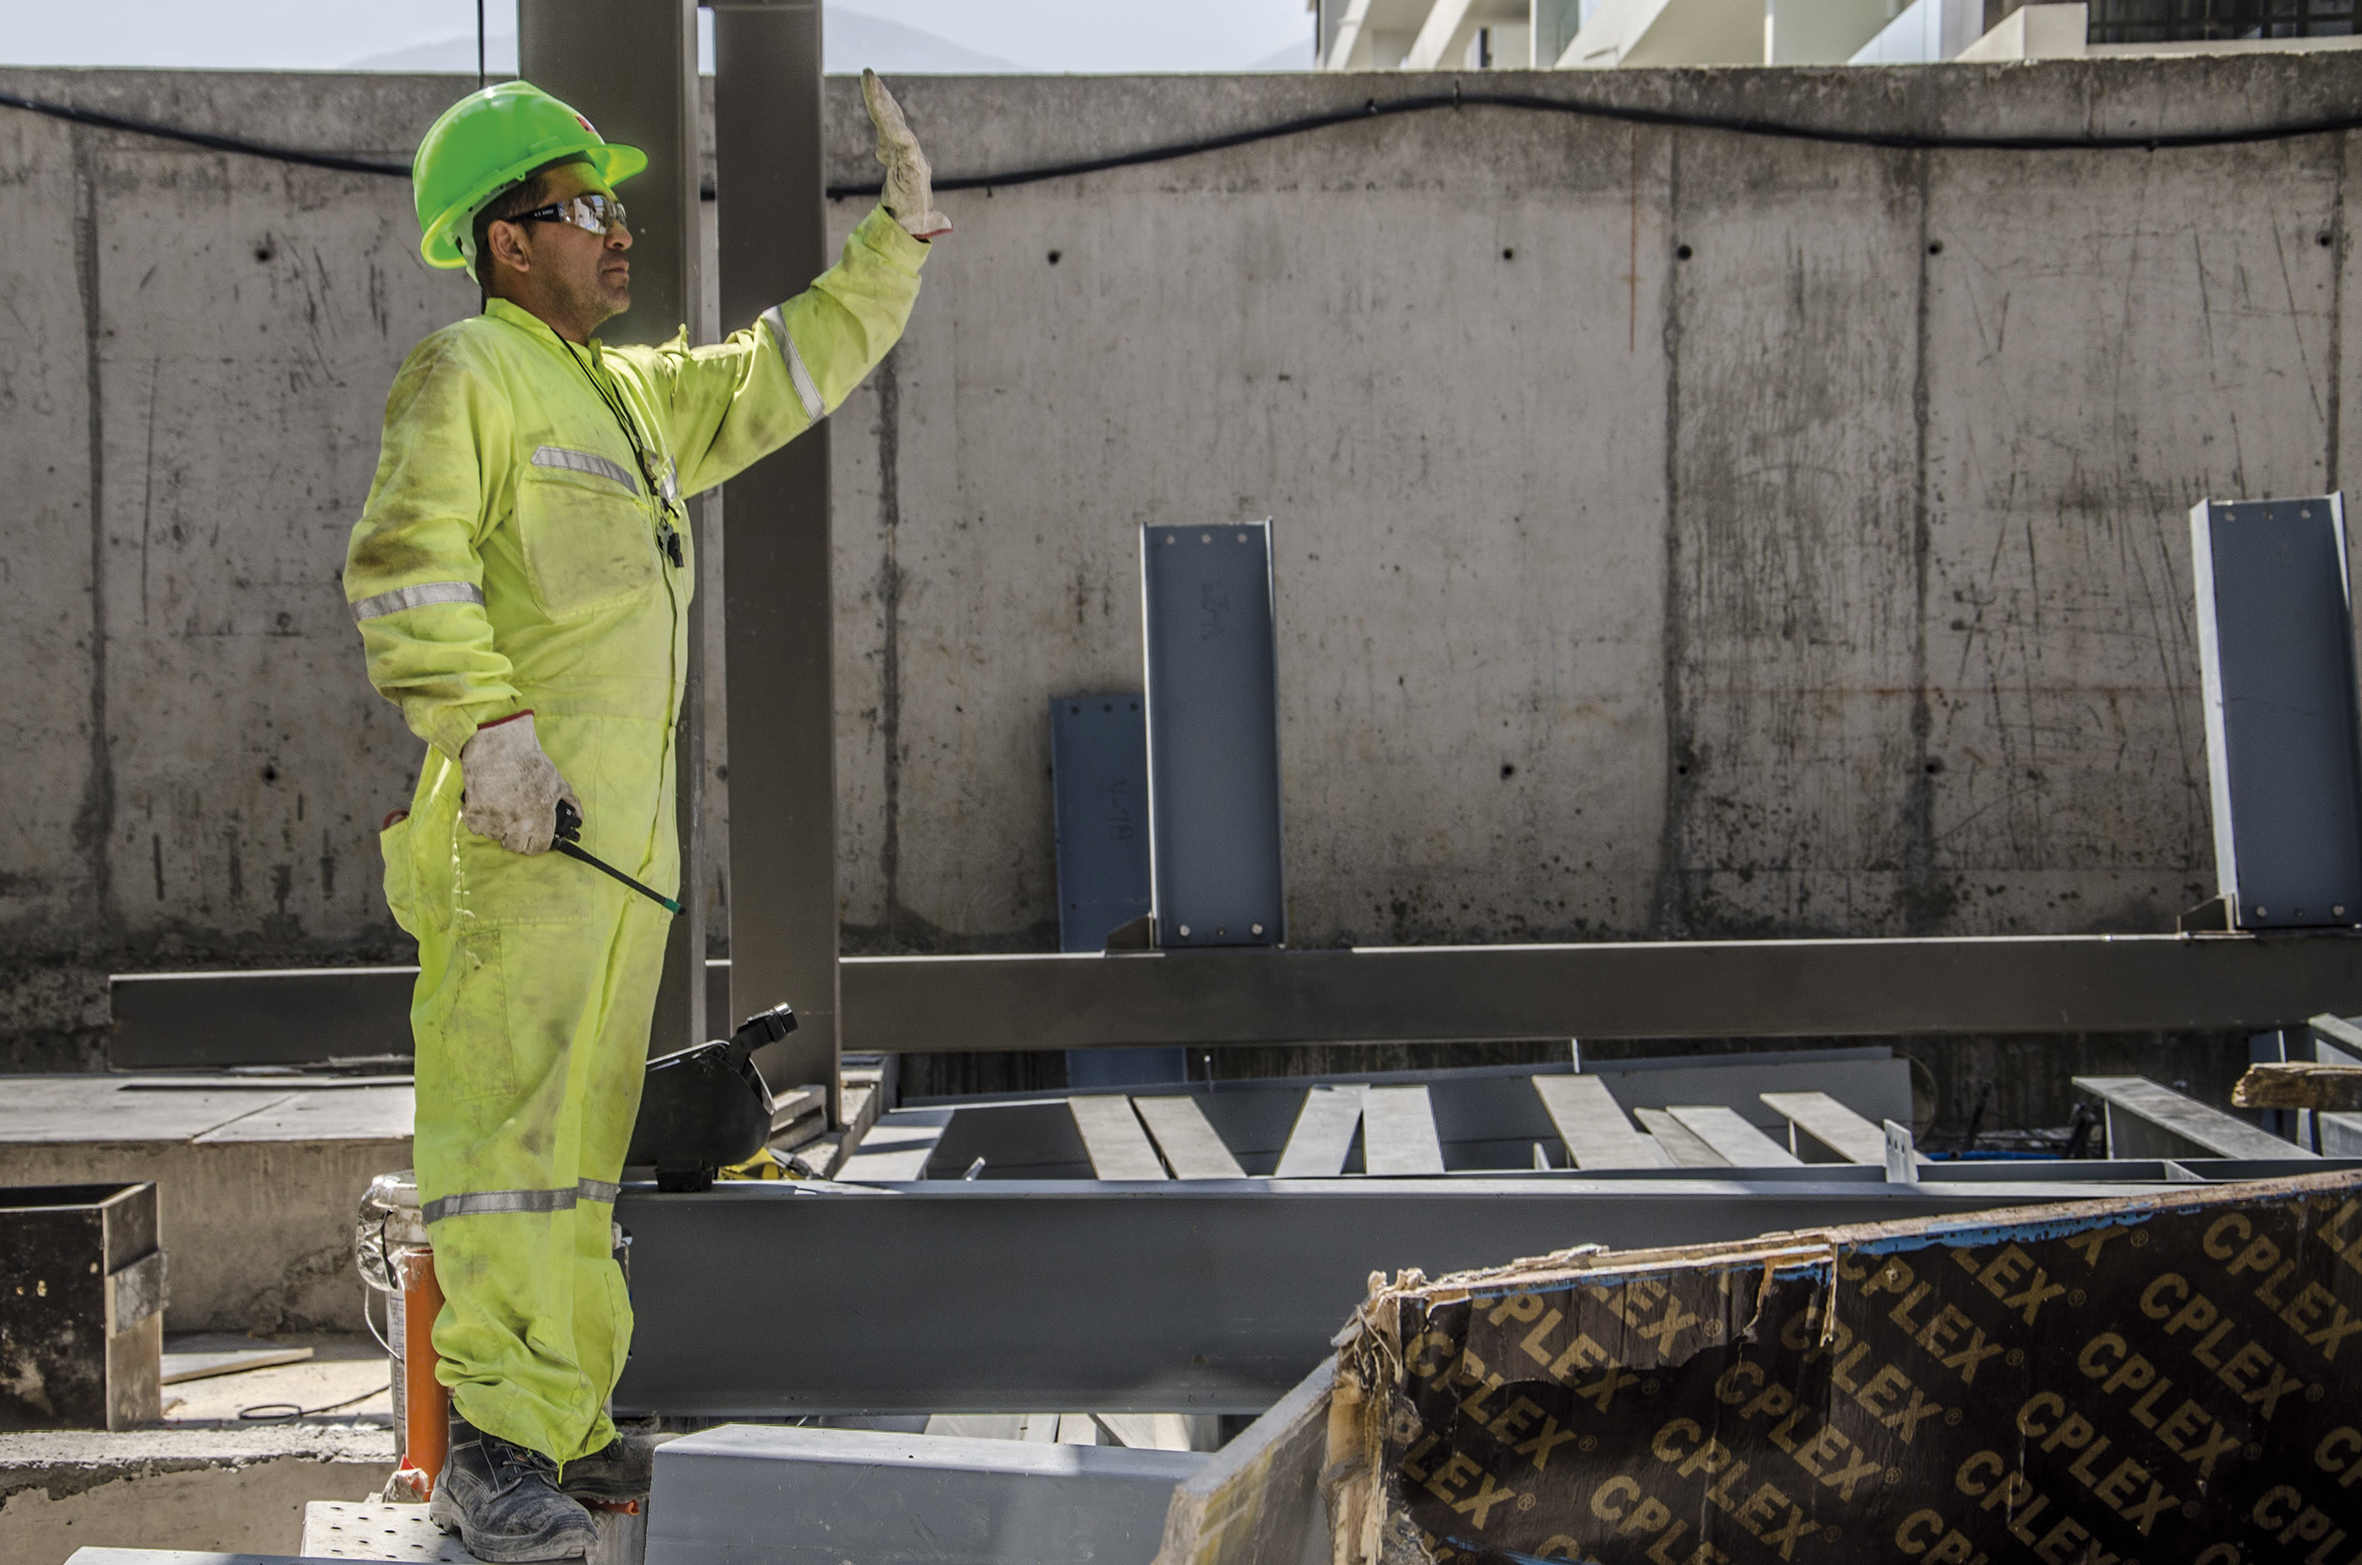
(612,161)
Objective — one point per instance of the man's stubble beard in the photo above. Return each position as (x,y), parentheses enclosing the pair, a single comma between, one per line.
(592,302)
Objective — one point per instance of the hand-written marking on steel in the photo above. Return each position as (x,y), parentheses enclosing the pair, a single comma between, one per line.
(2143,1378)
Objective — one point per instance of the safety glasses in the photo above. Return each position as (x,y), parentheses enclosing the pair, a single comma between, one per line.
(593,214)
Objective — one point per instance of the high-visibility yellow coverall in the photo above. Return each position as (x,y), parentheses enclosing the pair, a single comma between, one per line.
(511,558)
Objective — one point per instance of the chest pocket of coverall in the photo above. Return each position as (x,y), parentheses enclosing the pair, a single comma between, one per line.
(584,531)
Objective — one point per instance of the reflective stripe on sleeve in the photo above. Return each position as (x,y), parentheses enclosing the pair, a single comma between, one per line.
(807,389)
(417,597)
(597,1190)
(585,462)
(479,1202)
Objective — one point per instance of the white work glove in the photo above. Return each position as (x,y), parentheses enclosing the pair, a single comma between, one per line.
(512,789)
(910,182)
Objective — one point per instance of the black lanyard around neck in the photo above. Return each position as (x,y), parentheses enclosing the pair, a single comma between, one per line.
(666,534)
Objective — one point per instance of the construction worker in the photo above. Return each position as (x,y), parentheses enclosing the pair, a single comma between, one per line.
(521,575)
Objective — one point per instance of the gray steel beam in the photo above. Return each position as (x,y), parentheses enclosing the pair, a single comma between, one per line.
(782,693)
(1215,1297)
(2283,734)
(1205,999)
(294,1016)
(825,1496)
(631,66)
(1673,989)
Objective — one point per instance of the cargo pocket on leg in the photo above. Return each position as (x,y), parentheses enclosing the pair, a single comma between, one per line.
(401,885)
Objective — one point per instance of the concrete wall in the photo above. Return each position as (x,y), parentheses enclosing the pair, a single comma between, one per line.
(1679,532)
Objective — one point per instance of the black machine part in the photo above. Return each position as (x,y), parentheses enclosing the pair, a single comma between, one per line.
(707,1107)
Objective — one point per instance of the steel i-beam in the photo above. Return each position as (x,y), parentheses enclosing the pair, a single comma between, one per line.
(631,66)
(782,693)
(1205,1297)
(2057,984)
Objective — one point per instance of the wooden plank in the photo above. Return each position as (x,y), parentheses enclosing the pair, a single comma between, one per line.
(1118,1147)
(2163,1123)
(1596,1133)
(1258,1501)
(1163,1431)
(1323,1136)
(2299,1086)
(1189,1143)
(1734,1140)
(1398,1133)
(798,1103)
(1678,1141)
(2336,1041)
(202,1356)
(977,1426)
(896,1148)
(1829,1122)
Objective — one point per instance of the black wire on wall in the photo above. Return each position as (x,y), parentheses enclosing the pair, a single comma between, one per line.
(1374,108)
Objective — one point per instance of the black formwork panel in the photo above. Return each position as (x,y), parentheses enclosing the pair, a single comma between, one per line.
(1213,734)
(2276,653)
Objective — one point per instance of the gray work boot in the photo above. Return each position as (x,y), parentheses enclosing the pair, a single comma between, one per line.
(617,1473)
(504,1503)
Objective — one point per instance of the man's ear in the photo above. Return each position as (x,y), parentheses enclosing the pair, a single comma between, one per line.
(506,241)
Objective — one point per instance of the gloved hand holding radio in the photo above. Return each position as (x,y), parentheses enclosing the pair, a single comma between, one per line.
(512,788)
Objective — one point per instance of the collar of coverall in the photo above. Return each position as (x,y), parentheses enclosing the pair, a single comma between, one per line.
(517,315)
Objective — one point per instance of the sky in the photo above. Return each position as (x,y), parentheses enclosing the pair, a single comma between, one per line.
(1037,35)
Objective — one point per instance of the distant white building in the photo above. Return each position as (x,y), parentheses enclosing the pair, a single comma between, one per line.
(1456,35)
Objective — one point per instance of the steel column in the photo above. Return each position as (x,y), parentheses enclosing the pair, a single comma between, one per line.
(782,692)
(631,66)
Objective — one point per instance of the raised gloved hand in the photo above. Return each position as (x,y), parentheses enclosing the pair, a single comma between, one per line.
(512,789)
(910,182)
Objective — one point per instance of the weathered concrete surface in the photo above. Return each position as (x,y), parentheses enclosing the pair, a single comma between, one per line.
(232,1490)
(1672,536)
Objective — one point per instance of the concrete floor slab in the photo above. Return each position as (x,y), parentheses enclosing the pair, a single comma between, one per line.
(233,1490)
(98,1108)
(348,1375)
(367,1114)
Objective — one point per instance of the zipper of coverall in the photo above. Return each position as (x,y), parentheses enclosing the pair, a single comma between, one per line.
(668,546)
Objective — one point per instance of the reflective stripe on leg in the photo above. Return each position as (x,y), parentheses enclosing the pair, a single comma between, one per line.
(597,1190)
(477,1202)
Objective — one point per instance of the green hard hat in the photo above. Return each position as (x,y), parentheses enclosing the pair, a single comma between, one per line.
(488,141)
